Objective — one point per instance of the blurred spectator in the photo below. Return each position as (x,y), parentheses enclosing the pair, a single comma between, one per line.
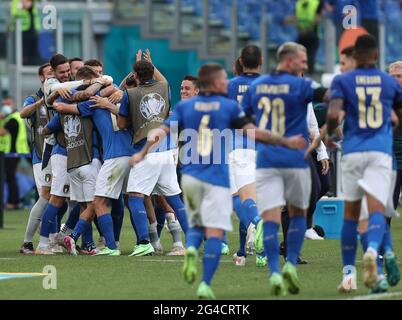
(369,12)
(14,143)
(27,12)
(308,15)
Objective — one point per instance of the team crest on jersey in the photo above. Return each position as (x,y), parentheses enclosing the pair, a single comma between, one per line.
(72,126)
(42,111)
(66,188)
(152,105)
(48,177)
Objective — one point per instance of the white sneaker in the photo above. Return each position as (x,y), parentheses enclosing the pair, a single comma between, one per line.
(311,234)
(158,248)
(348,283)
(239,261)
(44,251)
(101,243)
(250,247)
(177,251)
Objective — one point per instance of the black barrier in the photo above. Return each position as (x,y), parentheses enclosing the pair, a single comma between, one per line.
(2,173)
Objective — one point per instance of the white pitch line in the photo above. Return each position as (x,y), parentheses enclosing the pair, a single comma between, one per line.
(377,296)
(178,261)
(8,258)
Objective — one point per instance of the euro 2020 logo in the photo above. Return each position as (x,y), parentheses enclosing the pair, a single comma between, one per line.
(152,105)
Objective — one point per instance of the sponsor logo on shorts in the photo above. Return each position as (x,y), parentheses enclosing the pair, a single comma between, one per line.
(66,188)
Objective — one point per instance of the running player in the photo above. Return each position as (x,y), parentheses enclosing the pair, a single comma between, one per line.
(367,96)
(279,102)
(202,121)
(242,162)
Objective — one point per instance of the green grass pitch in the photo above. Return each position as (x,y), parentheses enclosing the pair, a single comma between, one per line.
(159,277)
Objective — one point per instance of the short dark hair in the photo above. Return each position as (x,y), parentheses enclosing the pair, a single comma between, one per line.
(365,47)
(251,56)
(144,70)
(74,59)
(348,51)
(93,63)
(86,72)
(42,67)
(191,78)
(207,73)
(57,60)
(238,68)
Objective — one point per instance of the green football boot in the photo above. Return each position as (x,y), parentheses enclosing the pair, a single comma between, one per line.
(258,241)
(380,287)
(142,250)
(225,249)
(260,261)
(392,269)
(108,252)
(277,285)
(190,265)
(290,277)
(204,291)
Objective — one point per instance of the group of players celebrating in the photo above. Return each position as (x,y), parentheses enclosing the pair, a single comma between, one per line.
(241,145)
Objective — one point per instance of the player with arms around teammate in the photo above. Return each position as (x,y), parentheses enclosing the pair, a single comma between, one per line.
(202,121)
(279,102)
(367,96)
(34,110)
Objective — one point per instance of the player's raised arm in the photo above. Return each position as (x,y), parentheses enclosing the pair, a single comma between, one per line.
(29,109)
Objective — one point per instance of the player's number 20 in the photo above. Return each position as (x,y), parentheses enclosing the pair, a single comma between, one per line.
(371,116)
(276,108)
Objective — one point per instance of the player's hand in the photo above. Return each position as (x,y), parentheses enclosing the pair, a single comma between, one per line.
(116,97)
(58,106)
(64,93)
(138,56)
(296,142)
(147,56)
(100,102)
(136,158)
(324,166)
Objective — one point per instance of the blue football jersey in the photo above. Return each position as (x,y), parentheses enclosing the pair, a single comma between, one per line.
(115,142)
(31,100)
(206,123)
(368,97)
(54,125)
(279,103)
(237,87)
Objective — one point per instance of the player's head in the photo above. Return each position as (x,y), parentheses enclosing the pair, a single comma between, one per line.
(346,60)
(395,70)
(213,78)
(61,67)
(366,50)
(189,87)
(143,71)
(86,73)
(96,65)
(75,64)
(45,71)
(237,67)
(292,57)
(251,58)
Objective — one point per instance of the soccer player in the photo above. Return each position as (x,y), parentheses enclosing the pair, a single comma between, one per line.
(59,191)
(279,102)
(96,65)
(189,87)
(242,162)
(143,108)
(367,96)
(34,110)
(75,64)
(202,121)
